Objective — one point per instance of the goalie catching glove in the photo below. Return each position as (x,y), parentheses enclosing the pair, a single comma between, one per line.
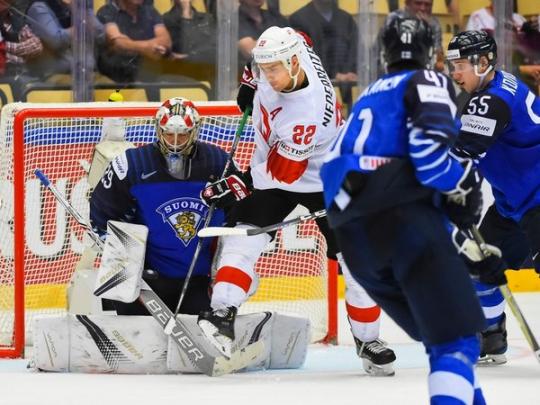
(484,261)
(463,204)
(228,190)
(246,91)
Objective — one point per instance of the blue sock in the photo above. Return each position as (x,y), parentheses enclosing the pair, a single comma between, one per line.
(492,302)
(452,378)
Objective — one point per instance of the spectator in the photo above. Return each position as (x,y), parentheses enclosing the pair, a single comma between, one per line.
(2,56)
(423,9)
(484,20)
(193,39)
(521,32)
(135,34)
(529,49)
(51,22)
(21,45)
(252,21)
(334,34)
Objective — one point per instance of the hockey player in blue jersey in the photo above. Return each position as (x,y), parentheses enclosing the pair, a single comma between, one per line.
(500,130)
(390,187)
(158,185)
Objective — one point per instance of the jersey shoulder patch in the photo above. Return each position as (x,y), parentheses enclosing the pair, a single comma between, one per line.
(433,87)
(120,166)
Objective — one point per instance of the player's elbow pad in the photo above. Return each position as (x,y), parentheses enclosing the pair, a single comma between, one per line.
(283,169)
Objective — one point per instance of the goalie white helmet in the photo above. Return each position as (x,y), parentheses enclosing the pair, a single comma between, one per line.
(278,45)
(177,129)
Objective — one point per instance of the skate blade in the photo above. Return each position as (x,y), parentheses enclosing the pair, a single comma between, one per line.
(240,359)
(492,360)
(378,370)
(222,343)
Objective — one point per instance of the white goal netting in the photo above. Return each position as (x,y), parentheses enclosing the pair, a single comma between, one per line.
(39,240)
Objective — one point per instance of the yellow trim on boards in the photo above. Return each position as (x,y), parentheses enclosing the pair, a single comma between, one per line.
(526,280)
(271,289)
(40,296)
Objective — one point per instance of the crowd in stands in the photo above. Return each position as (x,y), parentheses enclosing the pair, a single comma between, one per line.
(135,43)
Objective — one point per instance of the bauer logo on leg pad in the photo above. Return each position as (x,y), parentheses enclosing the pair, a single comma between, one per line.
(122,262)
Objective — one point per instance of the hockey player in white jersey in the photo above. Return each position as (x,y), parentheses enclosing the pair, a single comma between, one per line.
(296,119)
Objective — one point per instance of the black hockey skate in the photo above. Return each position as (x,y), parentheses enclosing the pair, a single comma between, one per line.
(218,327)
(377,358)
(493,345)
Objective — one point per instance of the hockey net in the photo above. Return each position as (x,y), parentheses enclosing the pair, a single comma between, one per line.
(40,244)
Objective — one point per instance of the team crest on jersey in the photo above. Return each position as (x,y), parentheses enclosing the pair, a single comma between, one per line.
(184,215)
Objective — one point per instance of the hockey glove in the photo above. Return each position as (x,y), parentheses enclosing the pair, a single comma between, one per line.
(484,261)
(463,205)
(228,190)
(246,92)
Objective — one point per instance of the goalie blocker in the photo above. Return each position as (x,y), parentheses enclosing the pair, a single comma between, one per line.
(137,344)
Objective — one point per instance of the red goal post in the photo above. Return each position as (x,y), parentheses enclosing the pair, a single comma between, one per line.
(40,244)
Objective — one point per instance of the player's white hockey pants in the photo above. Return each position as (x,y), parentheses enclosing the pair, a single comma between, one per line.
(236,279)
(363,313)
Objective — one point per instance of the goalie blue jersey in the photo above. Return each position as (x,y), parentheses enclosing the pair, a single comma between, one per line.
(501,129)
(137,188)
(405,115)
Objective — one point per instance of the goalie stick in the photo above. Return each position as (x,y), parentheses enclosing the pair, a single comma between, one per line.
(209,215)
(204,361)
(228,231)
(512,303)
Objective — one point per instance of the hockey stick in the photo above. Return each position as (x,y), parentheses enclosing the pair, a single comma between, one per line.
(228,231)
(69,208)
(200,358)
(169,327)
(511,301)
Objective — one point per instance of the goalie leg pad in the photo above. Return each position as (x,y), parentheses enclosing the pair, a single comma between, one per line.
(100,344)
(137,344)
(285,339)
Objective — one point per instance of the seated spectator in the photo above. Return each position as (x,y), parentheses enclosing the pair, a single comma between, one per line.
(522,33)
(423,9)
(527,52)
(252,21)
(135,34)
(21,45)
(193,39)
(529,43)
(334,34)
(193,33)
(51,21)
(484,20)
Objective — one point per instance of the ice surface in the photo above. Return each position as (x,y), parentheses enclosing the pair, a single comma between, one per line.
(332,375)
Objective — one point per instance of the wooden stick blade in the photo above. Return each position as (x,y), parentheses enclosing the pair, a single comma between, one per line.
(212,231)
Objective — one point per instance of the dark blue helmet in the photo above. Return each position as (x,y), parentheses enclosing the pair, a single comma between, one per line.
(407,39)
(471,45)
